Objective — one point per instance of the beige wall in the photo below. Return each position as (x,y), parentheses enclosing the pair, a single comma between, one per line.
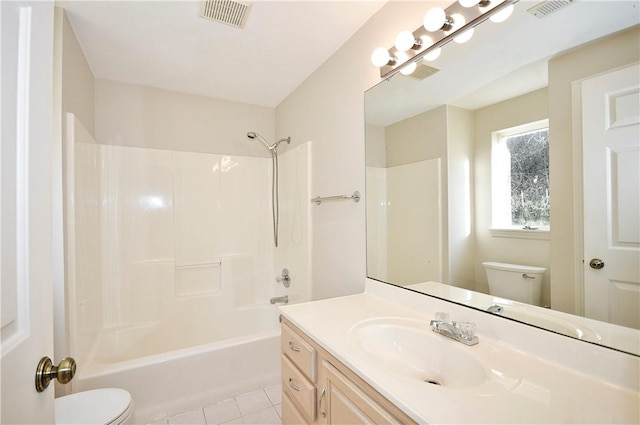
(328,108)
(147,117)
(421,137)
(460,242)
(73,91)
(77,79)
(565,157)
(510,113)
(376,152)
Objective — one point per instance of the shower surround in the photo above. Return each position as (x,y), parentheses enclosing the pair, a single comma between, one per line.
(171,264)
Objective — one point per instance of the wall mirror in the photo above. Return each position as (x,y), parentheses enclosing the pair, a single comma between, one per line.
(431,141)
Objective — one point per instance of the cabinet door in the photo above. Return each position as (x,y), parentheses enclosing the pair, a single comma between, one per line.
(291,415)
(347,403)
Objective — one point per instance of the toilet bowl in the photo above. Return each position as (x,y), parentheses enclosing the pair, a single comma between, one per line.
(515,282)
(105,406)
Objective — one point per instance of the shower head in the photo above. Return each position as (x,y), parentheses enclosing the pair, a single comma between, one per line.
(254,135)
(284,139)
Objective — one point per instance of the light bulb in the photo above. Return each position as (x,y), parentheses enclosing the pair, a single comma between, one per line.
(405,41)
(380,57)
(458,22)
(503,15)
(433,55)
(401,57)
(407,70)
(434,19)
(468,3)
(464,37)
(426,43)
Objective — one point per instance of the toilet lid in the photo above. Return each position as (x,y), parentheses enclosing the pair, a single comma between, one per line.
(102,406)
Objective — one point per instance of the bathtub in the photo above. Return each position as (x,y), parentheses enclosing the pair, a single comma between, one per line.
(173,366)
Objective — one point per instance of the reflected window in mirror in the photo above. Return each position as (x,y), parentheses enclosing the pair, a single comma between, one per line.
(520,177)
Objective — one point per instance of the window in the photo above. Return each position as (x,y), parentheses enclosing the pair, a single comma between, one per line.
(520,177)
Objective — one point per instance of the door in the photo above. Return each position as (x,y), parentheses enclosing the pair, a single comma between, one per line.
(611,161)
(26,211)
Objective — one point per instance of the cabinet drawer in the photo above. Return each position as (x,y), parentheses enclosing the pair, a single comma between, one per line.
(299,352)
(297,386)
(290,414)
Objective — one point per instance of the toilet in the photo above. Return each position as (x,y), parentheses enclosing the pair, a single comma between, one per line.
(105,406)
(515,282)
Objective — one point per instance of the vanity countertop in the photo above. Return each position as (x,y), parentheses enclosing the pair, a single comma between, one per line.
(526,388)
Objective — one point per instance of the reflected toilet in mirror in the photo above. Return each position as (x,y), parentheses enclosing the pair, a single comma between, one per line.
(515,282)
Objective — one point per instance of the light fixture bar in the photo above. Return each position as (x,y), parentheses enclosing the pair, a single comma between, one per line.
(473,16)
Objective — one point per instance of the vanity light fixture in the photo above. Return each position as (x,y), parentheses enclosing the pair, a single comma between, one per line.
(440,26)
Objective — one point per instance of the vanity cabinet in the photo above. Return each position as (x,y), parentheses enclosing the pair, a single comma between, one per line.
(319,389)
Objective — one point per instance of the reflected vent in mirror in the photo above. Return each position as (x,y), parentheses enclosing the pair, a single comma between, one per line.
(228,12)
(422,71)
(546,8)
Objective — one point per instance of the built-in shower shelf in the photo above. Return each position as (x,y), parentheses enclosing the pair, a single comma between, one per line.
(320,199)
(198,279)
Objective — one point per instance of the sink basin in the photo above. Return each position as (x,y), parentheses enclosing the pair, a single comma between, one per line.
(552,321)
(409,348)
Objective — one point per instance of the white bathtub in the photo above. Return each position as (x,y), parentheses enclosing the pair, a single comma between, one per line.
(170,368)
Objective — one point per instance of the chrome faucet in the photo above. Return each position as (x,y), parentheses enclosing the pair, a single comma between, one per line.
(463,332)
(282,299)
(496,309)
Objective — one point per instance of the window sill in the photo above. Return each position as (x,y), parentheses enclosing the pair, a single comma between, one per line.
(520,234)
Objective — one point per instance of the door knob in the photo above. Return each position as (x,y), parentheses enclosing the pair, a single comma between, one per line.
(596,263)
(46,371)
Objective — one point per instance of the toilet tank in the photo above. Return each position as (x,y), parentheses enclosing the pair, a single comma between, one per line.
(515,282)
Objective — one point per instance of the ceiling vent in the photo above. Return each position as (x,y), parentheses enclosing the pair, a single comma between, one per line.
(546,8)
(423,71)
(228,12)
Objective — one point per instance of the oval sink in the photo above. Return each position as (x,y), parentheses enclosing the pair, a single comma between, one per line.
(409,348)
(548,319)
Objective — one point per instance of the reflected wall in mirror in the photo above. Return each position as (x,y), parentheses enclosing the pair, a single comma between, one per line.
(431,147)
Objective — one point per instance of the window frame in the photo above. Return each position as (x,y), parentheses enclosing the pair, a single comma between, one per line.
(501,194)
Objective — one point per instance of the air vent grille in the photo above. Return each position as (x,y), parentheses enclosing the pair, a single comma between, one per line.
(228,12)
(548,7)
(423,71)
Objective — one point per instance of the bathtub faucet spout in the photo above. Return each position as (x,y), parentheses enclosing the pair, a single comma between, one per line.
(283,299)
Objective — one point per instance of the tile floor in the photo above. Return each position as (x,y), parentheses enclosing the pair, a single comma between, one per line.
(258,407)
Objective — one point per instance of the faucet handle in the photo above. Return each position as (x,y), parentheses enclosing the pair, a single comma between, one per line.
(442,317)
(468,330)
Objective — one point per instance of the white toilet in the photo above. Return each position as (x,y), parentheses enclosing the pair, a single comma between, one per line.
(105,406)
(515,282)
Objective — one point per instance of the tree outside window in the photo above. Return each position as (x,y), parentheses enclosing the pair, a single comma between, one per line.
(529,178)
(520,172)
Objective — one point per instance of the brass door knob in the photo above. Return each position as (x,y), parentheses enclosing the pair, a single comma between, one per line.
(596,263)
(46,371)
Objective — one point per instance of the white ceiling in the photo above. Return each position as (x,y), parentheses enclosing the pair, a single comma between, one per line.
(166,44)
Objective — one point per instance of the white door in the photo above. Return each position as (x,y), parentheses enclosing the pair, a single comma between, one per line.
(611,152)
(26,218)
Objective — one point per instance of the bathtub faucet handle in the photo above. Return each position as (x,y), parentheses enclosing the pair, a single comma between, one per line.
(284,278)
